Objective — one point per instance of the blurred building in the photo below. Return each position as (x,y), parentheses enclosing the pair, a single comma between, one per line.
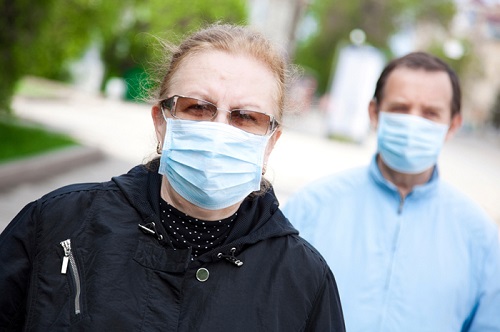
(480,21)
(474,33)
(278,19)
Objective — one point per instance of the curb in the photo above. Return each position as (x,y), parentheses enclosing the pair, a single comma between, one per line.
(40,167)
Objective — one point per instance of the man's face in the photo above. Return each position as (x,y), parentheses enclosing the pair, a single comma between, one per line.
(418,92)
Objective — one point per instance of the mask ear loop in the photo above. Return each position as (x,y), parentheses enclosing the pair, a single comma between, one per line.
(158,146)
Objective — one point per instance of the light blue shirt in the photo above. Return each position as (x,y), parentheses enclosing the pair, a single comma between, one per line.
(428,263)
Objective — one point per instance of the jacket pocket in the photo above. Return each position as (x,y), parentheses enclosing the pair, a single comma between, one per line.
(69,262)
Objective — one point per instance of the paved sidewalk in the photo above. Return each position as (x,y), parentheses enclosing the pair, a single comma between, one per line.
(124,133)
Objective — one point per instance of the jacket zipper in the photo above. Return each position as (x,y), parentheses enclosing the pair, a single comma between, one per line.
(68,257)
(401,204)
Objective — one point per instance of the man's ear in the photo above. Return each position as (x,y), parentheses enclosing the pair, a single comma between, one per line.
(159,123)
(373,113)
(456,123)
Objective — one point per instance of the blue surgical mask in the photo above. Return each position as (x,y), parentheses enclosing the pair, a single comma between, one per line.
(409,144)
(211,164)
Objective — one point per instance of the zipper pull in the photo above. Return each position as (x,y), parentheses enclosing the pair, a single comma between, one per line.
(67,249)
(151,229)
(64,266)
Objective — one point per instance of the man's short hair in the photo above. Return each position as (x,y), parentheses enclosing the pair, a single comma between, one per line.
(427,62)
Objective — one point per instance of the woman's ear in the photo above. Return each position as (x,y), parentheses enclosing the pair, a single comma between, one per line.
(159,123)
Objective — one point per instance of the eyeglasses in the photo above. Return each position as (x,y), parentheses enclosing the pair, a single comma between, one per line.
(187,108)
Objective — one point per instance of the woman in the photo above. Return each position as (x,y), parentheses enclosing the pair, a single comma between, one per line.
(193,241)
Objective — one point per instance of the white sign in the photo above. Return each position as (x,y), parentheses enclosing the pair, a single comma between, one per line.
(353,85)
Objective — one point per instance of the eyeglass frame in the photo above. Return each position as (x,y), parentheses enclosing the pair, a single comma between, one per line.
(164,104)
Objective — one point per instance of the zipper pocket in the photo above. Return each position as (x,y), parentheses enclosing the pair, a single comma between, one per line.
(69,258)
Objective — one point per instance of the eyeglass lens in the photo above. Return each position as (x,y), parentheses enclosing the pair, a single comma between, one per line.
(194,109)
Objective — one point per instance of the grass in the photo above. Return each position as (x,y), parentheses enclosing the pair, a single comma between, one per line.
(21,140)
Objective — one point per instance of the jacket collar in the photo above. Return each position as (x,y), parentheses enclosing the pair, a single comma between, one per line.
(259,216)
(382,182)
(141,187)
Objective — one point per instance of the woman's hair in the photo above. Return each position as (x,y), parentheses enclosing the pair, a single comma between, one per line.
(423,61)
(232,39)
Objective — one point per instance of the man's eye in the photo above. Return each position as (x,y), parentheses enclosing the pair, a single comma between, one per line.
(432,114)
(399,109)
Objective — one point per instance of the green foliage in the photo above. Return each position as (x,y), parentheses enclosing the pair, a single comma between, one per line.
(42,37)
(127,49)
(21,141)
(18,25)
(378,19)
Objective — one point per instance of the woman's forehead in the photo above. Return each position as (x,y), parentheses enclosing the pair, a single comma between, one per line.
(226,76)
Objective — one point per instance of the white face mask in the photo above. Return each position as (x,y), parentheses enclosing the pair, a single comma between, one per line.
(210,164)
(409,144)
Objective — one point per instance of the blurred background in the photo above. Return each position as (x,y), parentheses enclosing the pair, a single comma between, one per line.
(107,50)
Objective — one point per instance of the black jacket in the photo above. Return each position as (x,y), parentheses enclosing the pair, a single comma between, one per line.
(118,276)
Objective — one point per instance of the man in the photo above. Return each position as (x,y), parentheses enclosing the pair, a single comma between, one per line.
(409,252)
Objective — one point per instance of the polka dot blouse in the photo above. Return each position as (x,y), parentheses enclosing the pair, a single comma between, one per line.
(201,235)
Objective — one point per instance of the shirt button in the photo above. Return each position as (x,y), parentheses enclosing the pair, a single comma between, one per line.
(202,274)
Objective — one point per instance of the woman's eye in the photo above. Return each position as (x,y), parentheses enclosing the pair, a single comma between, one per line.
(198,108)
(196,111)
(245,117)
(195,106)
